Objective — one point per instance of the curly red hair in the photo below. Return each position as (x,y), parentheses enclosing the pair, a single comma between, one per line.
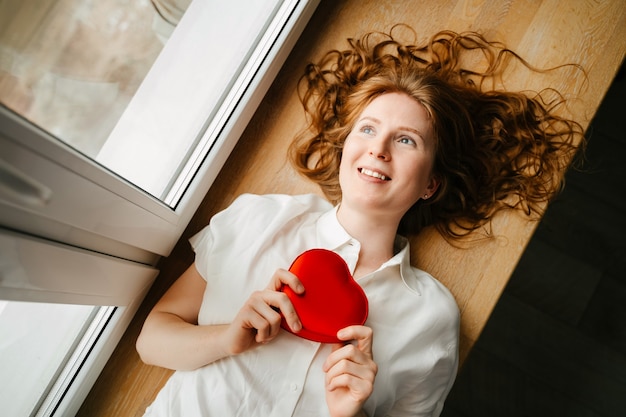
(494,149)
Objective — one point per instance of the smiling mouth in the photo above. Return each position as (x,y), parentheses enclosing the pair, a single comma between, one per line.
(374,174)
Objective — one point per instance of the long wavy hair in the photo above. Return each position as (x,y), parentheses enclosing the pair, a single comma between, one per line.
(495,149)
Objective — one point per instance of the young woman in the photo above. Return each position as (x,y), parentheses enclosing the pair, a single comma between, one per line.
(401,137)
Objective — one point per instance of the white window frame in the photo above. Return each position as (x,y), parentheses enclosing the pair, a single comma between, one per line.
(57,199)
(63,274)
(153,226)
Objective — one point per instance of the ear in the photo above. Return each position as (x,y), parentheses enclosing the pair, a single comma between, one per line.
(433,186)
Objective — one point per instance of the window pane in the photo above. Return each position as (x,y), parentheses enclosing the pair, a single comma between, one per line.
(36,340)
(98,76)
(201,81)
(72,66)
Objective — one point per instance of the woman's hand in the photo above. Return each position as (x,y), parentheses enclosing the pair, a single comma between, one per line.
(350,372)
(258,321)
(171,337)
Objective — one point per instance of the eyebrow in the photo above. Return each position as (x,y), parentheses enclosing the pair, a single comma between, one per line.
(405,128)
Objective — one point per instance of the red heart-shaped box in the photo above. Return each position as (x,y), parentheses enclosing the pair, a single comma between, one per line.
(331,300)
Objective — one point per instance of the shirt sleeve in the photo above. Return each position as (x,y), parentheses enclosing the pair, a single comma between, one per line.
(440,382)
(216,232)
(201,243)
(427,398)
(249,217)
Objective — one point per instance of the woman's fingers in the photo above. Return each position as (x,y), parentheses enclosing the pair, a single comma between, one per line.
(280,279)
(350,372)
(352,365)
(259,320)
(349,359)
(283,277)
(362,335)
(264,316)
(360,388)
(359,348)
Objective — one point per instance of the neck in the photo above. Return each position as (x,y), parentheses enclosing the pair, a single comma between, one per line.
(375,233)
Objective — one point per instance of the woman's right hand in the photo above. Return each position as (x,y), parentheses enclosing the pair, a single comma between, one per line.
(171,337)
(258,321)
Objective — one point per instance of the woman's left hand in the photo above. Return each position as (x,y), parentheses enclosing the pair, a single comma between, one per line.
(350,372)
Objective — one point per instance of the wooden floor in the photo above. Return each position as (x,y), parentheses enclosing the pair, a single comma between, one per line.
(555,344)
(545,32)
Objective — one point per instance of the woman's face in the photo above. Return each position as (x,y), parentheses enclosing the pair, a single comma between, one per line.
(387,160)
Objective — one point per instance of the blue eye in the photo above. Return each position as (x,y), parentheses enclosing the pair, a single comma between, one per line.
(406,140)
(368,130)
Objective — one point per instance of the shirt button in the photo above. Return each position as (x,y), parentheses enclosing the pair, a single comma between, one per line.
(293,387)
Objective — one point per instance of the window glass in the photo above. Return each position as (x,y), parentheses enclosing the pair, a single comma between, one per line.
(72,66)
(35,341)
(143,102)
(113,80)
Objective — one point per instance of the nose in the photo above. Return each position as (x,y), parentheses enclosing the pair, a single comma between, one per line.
(379,149)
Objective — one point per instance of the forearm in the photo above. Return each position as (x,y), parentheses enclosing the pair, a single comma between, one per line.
(170,342)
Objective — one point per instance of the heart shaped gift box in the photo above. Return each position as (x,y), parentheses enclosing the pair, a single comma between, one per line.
(331,300)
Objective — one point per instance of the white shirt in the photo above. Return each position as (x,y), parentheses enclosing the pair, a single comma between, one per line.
(414,318)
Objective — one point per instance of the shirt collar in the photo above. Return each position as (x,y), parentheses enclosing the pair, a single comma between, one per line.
(402,259)
(331,235)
